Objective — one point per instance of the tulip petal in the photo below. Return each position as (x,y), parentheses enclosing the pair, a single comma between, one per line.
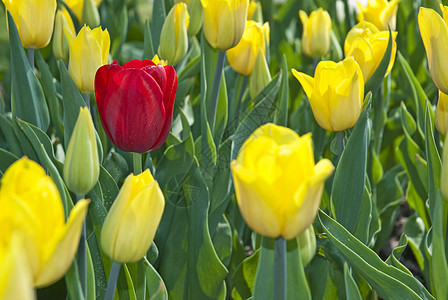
(60,253)
(134,110)
(306,81)
(138,64)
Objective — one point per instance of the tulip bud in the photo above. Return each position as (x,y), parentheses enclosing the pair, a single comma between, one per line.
(15,276)
(307,243)
(368,45)
(381,13)
(434,32)
(242,57)
(132,221)
(277,184)
(77,6)
(444,174)
(173,38)
(90,14)
(60,42)
(82,166)
(316,32)
(254,12)
(224,22)
(441,115)
(335,93)
(88,51)
(31,205)
(260,77)
(34,20)
(196,12)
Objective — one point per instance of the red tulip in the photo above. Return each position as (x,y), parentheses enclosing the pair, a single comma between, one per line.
(135,103)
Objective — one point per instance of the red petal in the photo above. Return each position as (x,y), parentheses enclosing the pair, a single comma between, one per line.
(169,96)
(158,73)
(138,64)
(133,111)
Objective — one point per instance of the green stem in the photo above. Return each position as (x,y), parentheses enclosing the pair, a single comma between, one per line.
(280,269)
(340,143)
(82,255)
(31,58)
(86,97)
(112,283)
(215,90)
(137,161)
(240,98)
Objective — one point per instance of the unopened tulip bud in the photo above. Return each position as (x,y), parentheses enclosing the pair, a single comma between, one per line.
(307,243)
(316,32)
(196,11)
(90,14)
(60,42)
(444,175)
(82,167)
(132,221)
(260,77)
(441,115)
(173,38)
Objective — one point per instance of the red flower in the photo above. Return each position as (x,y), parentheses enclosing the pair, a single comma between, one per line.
(135,103)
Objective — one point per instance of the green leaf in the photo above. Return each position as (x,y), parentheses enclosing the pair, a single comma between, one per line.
(351,289)
(72,282)
(154,283)
(259,115)
(394,258)
(297,285)
(158,18)
(377,77)
(91,287)
(221,112)
(350,176)
(281,117)
(27,99)
(7,128)
(148,48)
(6,159)
(388,281)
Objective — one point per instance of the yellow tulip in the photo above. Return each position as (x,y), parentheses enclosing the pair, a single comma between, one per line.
(159,61)
(60,42)
(335,93)
(196,13)
(434,33)
(444,172)
(381,13)
(242,57)
(224,22)
(31,205)
(173,38)
(441,115)
(316,32)
(368,45)
(88,51)
(34,20)
(133,219)
(82,166)
(277,184)
(77,6)
(16,281)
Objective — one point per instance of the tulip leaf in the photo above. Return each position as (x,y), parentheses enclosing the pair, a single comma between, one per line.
(148,48)
(27,100)
(91,287)
(281,116)
(6,159)
(7,129)
(221,113)
(243,278)
(297,285)
(377,77)
(259,115)
(394,258)
(350,175)
(154,283)
(388,281)
(158,18)
(73,284)
(351,289)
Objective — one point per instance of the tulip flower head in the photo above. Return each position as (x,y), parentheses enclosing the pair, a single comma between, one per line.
(316,32)
(277,184)
(135,103)
(368,45)
(434,33)
(173,38)
(132,221)
(60,42)
(224,22)
(242,57)
(34,20)
(88,51)
(335,93)
(441,115)
(32,207)
(382,13)
(77,6)
(196,13)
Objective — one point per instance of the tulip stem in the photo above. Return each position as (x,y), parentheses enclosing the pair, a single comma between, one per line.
(137,161)
(112,283)
(86,97)
(280,269)
(215,90)
(31,58)
(82,255)
(340,143)
(240,98)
